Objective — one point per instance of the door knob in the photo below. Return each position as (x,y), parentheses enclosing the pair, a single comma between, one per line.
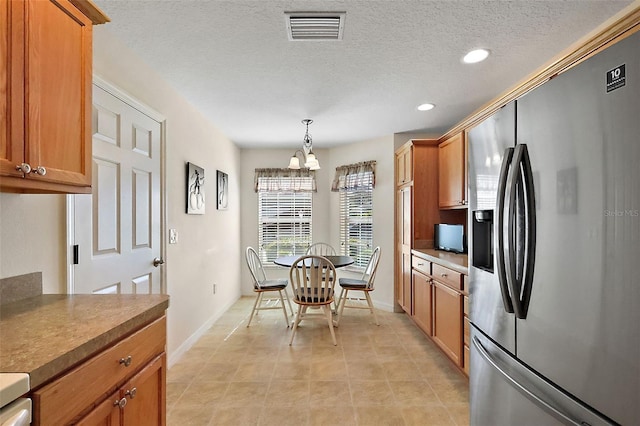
(158,261)
(24,168)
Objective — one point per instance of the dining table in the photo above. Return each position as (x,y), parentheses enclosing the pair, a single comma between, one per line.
(338,261)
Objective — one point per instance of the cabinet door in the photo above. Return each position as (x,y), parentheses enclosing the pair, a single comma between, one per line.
(406,216)
(451,169)
(422,301)
(11,87)
(145,394)
(58,99)
(404,166)
(106,413)
(406,279)
(447,326)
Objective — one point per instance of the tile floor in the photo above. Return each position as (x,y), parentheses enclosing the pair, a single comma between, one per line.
(377,375)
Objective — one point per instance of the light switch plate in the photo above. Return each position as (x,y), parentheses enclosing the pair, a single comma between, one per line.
(173,236)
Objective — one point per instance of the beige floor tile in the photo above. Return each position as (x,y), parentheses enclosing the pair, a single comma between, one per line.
(288,393)
(413,393)
(365,370)
(432,415)
(190,416)
(283,416)
(217,371)
(202,394)
(332,416)
(378,416)
(253,371)
(330,393)
(377,375)
(236,416)
(328,370)
(240,394)
(459,412)
(285,370)
(371,393)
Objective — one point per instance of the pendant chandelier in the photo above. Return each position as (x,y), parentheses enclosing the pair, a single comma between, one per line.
(310,160)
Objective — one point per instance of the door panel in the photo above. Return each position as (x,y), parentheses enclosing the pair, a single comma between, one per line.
(120,221)
(583,143)
(487,143)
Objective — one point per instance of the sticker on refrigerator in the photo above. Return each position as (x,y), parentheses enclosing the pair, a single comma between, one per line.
(616,78)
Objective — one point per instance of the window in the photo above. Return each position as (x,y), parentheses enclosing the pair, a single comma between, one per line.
(284,217)
(355,182)
(356,224)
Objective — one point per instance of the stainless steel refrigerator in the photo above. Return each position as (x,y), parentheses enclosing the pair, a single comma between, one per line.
(554,244)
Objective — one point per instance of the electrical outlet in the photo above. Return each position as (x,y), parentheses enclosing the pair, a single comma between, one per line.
(173,236)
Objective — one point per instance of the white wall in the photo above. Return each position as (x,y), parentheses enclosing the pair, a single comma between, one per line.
(208,250)
(33,238)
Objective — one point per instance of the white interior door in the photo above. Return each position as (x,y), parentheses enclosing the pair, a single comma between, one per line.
(117,228)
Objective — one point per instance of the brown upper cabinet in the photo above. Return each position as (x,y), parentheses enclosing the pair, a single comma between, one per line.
(404,165)
(452,186)
(45,102)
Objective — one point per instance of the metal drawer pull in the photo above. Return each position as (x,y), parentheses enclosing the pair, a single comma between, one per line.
(443,275)
(39,171)
(120,403)
(132,393)
(126,361)
(24,168)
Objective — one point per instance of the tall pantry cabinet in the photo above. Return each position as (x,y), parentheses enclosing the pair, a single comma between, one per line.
(416,165)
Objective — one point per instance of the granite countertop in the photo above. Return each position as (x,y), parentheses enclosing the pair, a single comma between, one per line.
(457,262)
(46,335)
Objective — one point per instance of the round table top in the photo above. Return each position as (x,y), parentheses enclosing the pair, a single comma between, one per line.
(338,261)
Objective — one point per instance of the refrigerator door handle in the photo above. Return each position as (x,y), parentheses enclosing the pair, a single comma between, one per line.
(521,179)
(499,230)
(522,388)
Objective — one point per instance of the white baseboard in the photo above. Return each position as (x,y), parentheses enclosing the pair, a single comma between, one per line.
(174,357)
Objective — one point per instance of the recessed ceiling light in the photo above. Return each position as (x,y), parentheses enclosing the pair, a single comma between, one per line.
(425,107)
(474,56)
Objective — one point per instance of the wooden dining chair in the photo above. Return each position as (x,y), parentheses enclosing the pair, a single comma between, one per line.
(313,279)
(321,249)
(262,285)
(364,284)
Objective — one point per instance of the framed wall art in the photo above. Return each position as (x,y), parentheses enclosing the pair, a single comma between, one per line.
(223,190)
(195,189)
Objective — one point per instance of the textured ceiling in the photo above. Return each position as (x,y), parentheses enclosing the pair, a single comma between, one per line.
(233,61)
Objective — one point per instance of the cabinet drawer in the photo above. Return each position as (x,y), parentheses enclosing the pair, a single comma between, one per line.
(466,306)
(467,330)
(421,265)
(65,398)
(447,276)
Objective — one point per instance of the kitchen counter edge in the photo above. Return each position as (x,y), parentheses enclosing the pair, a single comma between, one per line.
(457,262)
(45,336)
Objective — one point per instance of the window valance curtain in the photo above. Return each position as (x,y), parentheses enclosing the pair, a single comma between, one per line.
(355,176)
(285,180)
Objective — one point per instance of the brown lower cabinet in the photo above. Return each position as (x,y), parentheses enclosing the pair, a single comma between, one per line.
(141,401)
(422,302)
(125,384)
(440,306)
(447,320)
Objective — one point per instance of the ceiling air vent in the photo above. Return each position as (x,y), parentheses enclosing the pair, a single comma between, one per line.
(315,25)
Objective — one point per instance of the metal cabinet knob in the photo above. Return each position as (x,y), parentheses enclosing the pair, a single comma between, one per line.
(120,402)
(126,361)
(39,171)
(24,168)
(443,275)
(158,261)
(131,393)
